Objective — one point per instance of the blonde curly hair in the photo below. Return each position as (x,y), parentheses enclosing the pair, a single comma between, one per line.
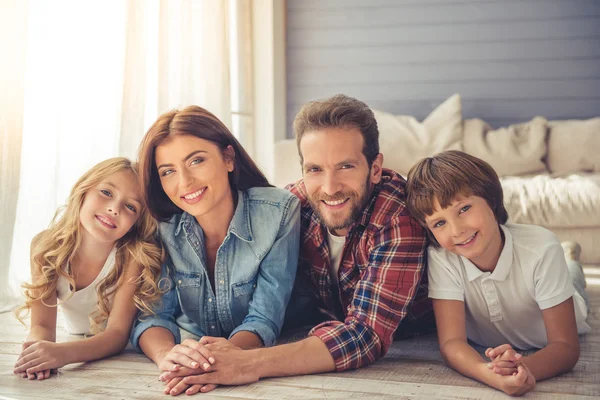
(53,249)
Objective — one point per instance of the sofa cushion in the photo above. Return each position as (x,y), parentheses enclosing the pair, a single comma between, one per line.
(566,202)
(573,146)
(404,140)
(515,150)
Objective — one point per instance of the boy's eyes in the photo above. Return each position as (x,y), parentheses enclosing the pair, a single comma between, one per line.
(465,208)
(438,224)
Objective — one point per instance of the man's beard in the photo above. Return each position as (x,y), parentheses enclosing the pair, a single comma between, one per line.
(358,202)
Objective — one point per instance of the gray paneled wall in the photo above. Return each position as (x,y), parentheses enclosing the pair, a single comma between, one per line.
(509,59)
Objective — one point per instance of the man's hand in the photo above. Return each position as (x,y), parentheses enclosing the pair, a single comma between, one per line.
(233,366)
(38,359)
(504,359)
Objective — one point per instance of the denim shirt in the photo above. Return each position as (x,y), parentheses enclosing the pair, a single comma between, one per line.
(254,272)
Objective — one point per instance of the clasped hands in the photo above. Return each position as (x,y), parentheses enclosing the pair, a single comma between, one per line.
(516,377)
(199,366)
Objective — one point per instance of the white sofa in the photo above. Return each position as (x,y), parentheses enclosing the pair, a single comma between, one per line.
(550,171)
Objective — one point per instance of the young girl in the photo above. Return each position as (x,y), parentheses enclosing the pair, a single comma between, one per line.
(232,242)
(498,284)
(99,262)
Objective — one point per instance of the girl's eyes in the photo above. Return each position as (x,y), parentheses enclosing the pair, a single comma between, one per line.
(131,208)
(106,192)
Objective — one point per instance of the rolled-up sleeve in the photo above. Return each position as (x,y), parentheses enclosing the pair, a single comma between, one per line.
(381,298)
(164,313)
(275,279)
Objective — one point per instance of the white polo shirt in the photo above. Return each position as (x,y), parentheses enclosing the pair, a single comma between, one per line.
(504,306)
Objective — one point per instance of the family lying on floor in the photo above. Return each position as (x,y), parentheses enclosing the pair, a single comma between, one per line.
(194,237)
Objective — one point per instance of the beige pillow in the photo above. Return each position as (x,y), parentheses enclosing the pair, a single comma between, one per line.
(403,140)
(516,150)
(574,146)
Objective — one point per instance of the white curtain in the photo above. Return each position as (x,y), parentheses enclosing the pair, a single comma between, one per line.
(86,80)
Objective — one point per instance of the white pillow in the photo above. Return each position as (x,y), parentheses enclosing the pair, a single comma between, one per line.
(403,140)
(516,150)
(574,146)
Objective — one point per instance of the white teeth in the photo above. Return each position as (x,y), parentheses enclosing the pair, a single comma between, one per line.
(106,221)
(334,203)
(469,239)
(192,196)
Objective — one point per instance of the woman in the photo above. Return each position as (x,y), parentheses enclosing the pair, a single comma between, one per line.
(232,241)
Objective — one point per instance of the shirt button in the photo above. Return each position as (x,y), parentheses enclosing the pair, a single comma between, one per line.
(210,300)
(212,327)
(221,281)
(254,286)
(179,281)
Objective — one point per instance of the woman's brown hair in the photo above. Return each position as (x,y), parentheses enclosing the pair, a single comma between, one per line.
(447,175)
(198,122)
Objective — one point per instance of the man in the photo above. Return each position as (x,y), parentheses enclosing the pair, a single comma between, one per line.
(362,256)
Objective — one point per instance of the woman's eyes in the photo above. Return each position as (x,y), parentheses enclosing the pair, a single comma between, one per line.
(166,172)
(196,161)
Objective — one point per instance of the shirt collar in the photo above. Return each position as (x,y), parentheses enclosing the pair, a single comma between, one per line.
(240,224)
(502,269)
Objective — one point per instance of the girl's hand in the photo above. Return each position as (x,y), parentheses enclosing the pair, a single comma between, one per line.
(505,359)
(176,386)
(38,358)
(190,353)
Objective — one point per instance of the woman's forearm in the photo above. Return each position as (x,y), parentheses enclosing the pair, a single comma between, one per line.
(156,342)
(246,340)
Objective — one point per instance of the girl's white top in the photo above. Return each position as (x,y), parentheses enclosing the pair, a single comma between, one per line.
(77,308)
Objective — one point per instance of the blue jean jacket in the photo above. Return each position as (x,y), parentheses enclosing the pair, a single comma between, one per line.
(255,269)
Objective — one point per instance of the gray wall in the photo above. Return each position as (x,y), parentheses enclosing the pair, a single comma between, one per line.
(509,59)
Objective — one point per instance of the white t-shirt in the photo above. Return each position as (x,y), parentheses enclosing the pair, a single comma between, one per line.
(505,306)
(77,308)
(336,245)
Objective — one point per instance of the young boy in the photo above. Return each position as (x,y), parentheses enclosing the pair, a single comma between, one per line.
(498,284)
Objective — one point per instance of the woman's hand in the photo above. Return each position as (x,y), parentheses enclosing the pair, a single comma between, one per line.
(176,386)
(39,358)
(191,354)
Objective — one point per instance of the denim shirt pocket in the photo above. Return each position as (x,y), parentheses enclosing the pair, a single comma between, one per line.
(189,290)
(242,293)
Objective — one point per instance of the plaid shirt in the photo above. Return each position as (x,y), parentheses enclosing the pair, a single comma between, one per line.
(382,277)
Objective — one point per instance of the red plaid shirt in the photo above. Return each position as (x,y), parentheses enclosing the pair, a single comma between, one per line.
(382,277)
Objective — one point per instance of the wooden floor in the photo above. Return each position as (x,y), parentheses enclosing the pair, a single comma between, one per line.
(413,369)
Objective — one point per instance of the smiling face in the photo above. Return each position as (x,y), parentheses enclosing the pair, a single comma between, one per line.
(337,176)
(110,208)
(468,227)
(194,174)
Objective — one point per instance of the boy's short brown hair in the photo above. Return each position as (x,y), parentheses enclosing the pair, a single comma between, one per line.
(447,175)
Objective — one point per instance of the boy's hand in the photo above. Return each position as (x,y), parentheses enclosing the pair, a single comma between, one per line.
(39,359)
(520,383)
(504,359)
